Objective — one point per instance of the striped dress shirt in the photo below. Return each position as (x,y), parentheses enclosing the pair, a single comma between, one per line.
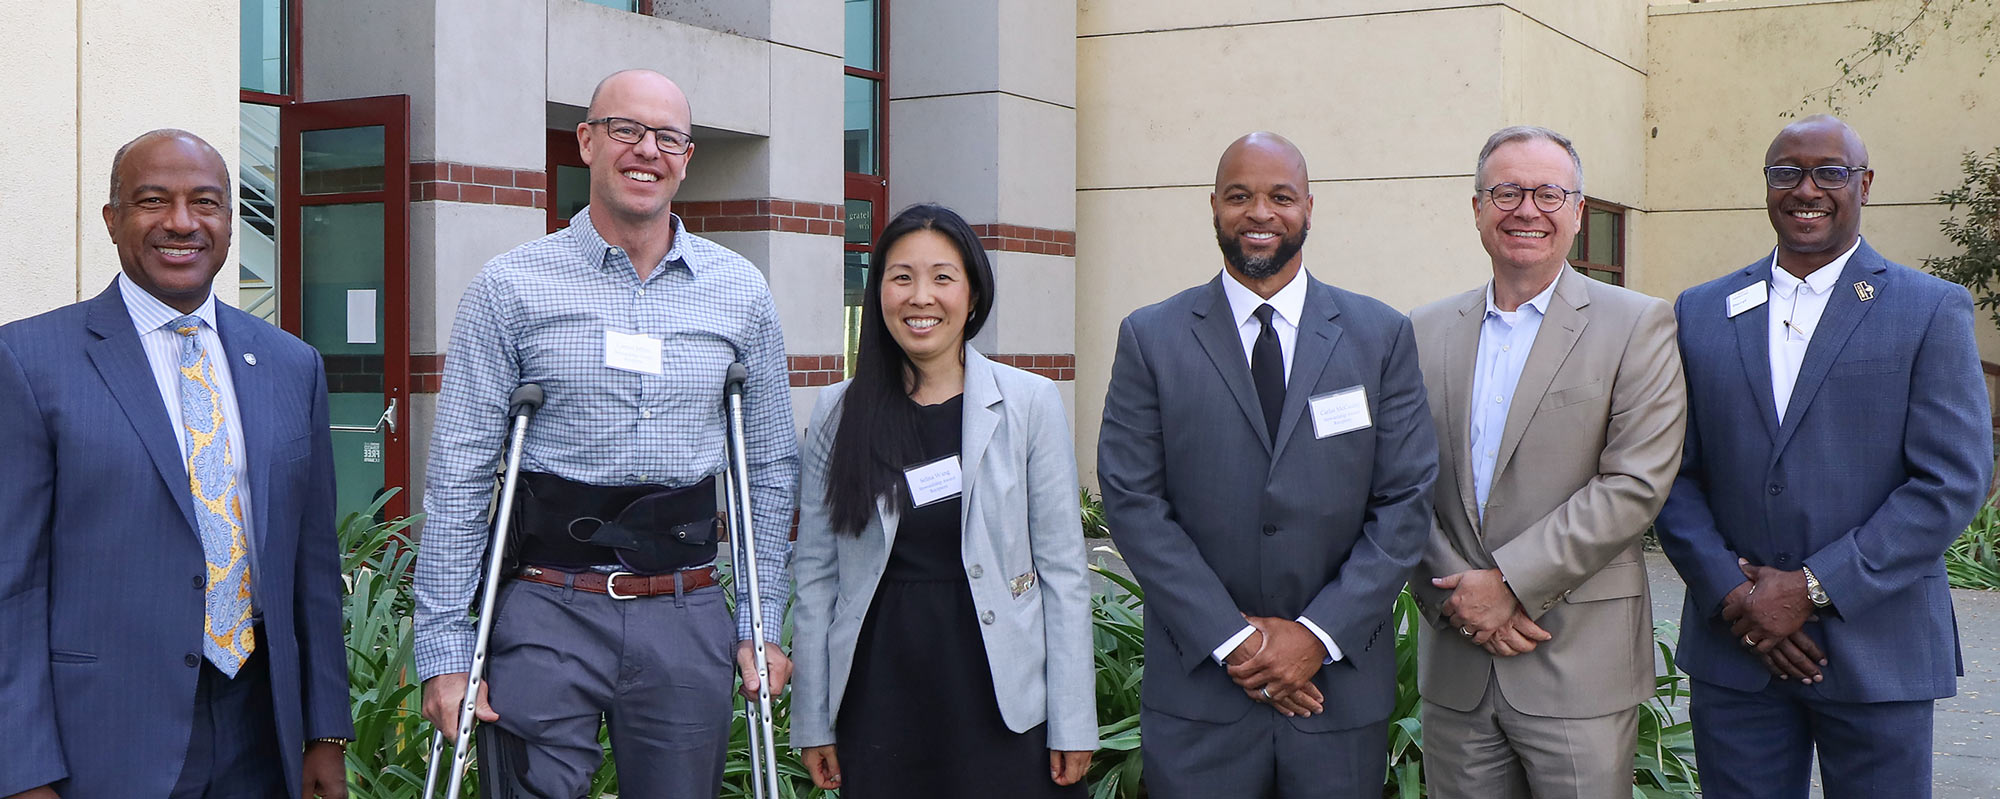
(540,314)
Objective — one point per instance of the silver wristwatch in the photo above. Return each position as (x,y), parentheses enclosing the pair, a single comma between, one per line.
(1815,591)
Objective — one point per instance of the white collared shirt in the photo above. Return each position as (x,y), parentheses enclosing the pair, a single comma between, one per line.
(1796,307)
(151,317)
(1505,339)
(1288,306)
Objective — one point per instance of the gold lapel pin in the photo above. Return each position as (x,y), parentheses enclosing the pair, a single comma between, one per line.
(1863,290)
(250,358)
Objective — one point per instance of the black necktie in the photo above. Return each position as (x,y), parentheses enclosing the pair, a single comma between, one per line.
(1267,370)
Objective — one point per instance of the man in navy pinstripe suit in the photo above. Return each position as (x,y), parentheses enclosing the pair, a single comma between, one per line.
(1838,441)
(163,635)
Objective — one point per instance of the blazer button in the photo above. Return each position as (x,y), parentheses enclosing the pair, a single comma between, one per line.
(986,618)
(1270,529)
(193,660)
(975,572)
(1777,489)
(200,582)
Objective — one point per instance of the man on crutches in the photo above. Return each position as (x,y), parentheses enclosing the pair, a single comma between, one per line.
(609,611)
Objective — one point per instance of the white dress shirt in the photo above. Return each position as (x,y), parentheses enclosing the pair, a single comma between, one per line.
(1796,306)
(1505,339)
(1288,305)
(151,318)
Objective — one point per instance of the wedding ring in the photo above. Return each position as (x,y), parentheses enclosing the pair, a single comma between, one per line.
(1748,642)
(1267,692)
(1465,631)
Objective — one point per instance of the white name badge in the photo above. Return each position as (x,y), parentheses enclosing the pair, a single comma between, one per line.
(1749,297)
(934,481)
(1342,411)
(632,352)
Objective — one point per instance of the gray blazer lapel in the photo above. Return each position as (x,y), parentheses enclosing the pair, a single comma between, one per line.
(1753,343)
(1310,352)
(1460,350)
(1844,311)
(121,361)
(982,417)
(1216,331)
(1560,329)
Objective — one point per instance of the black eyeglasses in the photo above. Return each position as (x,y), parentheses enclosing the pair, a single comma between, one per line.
(1549,197)
(1826,177)
(629,131)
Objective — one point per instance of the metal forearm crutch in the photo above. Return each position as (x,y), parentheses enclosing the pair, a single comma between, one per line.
(743,554)
(522,406)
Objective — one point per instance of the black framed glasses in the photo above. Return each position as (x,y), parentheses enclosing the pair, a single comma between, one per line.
(1827,177)
(629,131)
(1549,197)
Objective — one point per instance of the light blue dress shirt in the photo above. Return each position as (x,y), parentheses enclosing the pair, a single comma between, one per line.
(1505,339)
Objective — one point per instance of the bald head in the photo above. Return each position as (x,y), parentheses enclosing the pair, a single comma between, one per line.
(1263,145)
(162,134)
(1815,127)
(641,84)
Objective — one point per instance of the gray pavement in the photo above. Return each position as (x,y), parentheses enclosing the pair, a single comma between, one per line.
(1968,754)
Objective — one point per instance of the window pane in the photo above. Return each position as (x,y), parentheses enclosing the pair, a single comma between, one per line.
(861,122)
(1603,238)
(340,160)
(854,279)
(860,221)
(572,191)
(257,211)
(261,46)
(621,5)
(861,34)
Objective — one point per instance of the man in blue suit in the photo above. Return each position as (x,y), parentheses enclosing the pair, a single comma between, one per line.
(170,591)
(1838,441)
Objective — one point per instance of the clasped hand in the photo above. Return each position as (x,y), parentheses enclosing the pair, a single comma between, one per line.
(1767,612)
(1485,611)
(1276,664)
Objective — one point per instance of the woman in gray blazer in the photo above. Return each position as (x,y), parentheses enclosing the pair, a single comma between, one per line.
(942,627)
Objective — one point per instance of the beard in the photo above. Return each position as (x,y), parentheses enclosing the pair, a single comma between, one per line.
(1253,267)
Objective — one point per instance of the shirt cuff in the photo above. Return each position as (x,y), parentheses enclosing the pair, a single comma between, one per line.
(1332,649)
(1221,653)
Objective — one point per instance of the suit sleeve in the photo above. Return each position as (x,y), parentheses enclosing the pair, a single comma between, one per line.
(1439,559)
(1398,518)
(33,755)
(1055,536)
(816,570)
(318,588)
(1948,455)
(1642,448)
(1686,523)
(1182,592)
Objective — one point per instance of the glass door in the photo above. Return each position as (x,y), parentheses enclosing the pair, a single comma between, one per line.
(345,285)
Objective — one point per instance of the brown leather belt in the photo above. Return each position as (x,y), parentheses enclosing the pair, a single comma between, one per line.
(622,585)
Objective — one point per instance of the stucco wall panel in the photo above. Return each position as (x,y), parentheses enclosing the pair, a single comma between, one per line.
(727,78)
(1595,100)
(1037,303)
(39,191)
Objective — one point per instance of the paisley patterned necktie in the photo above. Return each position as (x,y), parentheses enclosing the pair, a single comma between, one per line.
(227,639)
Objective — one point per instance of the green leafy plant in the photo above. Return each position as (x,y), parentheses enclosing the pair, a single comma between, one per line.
(1118,638)
(1973,561)
(1977,267)
(1093,514)
(392,741)
(1406,728)
(1663,762)
(1896,45)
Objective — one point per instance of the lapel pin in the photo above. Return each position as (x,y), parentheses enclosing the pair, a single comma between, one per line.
(1863,290)
(250,358)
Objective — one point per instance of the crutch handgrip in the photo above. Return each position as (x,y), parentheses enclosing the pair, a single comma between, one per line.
(525,400)
(733,380)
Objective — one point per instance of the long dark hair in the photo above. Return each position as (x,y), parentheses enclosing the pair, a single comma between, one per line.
(876,437)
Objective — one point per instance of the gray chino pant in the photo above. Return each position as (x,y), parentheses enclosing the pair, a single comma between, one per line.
(659,671)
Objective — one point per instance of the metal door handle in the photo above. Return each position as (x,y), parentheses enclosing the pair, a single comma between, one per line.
(388,420)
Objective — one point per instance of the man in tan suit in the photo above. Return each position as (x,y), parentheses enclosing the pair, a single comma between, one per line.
(1560,411)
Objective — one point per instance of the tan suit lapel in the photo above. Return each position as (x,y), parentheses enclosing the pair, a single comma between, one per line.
(1461,349)
(1561,327)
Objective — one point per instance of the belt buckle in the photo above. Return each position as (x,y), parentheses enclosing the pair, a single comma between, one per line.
(611,585)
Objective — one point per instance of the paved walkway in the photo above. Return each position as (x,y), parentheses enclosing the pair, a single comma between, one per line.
(1968,753)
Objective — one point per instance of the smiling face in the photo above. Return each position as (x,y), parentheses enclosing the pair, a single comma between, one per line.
(171,218)
(1527,238)
(1816,225)
(635,182)
(926,297)
(1261,206)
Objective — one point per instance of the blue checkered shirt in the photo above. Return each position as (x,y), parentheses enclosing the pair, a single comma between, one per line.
(538,314)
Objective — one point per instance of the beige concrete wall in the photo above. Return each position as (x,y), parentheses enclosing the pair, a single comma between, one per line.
(1721,73)
(75,97)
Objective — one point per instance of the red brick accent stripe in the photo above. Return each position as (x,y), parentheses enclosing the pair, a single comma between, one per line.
(1054,366)
(1021,238)
(789,216)
(426,373)
(814,370)
(485,185)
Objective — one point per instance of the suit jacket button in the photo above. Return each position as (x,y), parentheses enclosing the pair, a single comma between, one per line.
(1776,489)
(193,660)
(986,618)
(975,571)
(200,582)
(1270,529)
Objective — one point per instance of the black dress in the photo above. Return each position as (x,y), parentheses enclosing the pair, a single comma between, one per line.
(919,718)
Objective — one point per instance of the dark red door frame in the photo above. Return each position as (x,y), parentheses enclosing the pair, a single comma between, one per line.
(562,151)
(392,113)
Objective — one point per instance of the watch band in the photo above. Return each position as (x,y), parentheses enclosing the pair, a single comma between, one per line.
(1814,591)
(340,742)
